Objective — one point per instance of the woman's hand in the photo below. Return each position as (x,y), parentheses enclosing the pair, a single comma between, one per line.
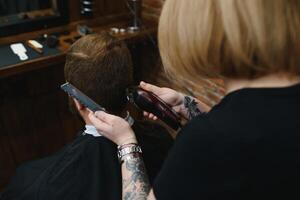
(112,127)
(175,100)
(171,97)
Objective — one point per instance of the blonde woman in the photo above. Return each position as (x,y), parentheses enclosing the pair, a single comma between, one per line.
(248,146)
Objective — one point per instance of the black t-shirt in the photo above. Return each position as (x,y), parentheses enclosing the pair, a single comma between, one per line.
(86,169)
(247,147)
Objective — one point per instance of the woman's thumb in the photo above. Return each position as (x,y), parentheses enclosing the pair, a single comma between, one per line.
(149,87)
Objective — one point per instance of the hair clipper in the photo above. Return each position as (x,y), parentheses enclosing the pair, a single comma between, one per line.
(151,103)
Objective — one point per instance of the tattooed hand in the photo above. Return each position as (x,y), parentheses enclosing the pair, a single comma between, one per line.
(187,107)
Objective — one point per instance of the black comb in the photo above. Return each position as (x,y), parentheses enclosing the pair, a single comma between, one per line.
(81,97)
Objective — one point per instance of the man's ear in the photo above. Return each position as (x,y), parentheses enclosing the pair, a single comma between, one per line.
(78,105)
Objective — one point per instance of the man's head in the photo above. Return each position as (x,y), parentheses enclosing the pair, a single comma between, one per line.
(100,66)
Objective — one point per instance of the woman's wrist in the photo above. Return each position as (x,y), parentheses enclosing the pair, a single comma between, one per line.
(128,140)
(190,108)
(129,151)
(180,108)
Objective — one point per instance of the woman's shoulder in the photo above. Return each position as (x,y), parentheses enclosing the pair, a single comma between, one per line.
(202,134)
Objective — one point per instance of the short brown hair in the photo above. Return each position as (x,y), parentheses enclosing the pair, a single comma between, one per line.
(100,66)
(231,38)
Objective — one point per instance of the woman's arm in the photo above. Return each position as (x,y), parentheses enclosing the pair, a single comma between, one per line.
(135,180)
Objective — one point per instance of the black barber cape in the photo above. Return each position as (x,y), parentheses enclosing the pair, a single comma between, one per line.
(86,169)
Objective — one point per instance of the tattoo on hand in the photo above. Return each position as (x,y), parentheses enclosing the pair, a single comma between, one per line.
(136,185)
(192,107)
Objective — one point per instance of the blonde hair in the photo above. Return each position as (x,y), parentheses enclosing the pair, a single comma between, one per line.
(231,38)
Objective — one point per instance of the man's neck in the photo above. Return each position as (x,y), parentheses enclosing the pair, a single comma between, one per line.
(270,81)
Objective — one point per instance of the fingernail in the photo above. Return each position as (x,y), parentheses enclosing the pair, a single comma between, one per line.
(97,113)
(142,83)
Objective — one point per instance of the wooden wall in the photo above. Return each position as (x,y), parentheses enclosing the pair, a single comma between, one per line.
(101,8)
(34,118)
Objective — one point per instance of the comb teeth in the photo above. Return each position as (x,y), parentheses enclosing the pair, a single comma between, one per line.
(81,97)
